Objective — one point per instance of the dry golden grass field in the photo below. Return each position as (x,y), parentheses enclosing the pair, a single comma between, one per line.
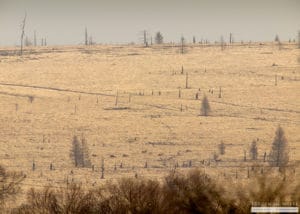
(124,100)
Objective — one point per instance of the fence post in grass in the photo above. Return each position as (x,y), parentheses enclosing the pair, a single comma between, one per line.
(115,168)
(121,165)
(117,95)
(51,167)
(75,109)
(190,163)
(245,155)
(179,93)
(182,69)
(265,155)
(220,93)
(146,165)
(186,79)
(181,108)
(248,173)
(33,165)
(236,174)
(102,169)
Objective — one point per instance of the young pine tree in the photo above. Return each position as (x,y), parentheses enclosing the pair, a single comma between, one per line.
(279,156)
(253,150)
(205,107)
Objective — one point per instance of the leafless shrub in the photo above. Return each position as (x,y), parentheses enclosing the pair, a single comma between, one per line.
(73,199)
(9,185)
(195,192)
(135,196)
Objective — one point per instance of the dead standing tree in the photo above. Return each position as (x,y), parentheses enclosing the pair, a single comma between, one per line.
(230,38)
(34,39)
(299,39)
(85,36)
(23,32)
(222,43)
(182,45)
(145,38)
(159,39)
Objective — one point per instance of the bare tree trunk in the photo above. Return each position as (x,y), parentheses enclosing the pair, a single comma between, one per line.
(299,39)
(145,38)
(86,37)
(34,39)
(186,80)
(23,32)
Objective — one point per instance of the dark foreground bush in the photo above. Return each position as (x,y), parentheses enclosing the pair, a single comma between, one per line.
(9,185)
(194,192)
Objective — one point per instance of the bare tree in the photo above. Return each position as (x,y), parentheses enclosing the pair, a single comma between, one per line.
(34,39)
(145,38)
(86,36)
(159,39)
(27,42)
(23,32)
(182,45)
(205,107)
(194,40)
(222,43)
(230,38)
(279,156)
(299,39)
(278,42)
(91,42)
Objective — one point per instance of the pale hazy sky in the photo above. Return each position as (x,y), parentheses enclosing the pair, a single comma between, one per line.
(121,21)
